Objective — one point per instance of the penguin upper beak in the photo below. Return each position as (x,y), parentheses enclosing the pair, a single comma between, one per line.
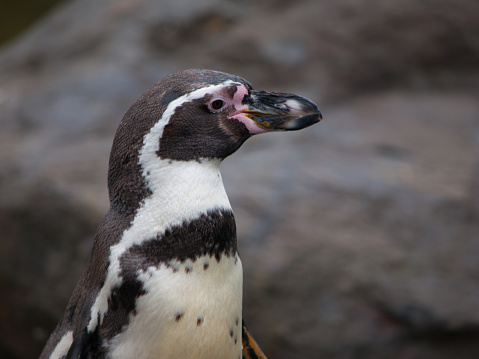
(273,111)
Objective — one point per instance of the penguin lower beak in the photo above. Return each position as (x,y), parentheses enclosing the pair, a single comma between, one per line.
(274,111)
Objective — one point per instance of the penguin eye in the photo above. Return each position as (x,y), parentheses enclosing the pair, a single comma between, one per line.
(217,104)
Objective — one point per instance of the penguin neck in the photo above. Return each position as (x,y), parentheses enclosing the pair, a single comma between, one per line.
(183,190)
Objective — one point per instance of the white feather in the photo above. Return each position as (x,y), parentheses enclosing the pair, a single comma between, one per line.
(63,346)
(213,295)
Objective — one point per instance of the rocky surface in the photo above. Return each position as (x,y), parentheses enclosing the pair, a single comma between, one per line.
(359,236)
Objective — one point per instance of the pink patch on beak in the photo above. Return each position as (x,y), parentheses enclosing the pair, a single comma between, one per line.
(240,114)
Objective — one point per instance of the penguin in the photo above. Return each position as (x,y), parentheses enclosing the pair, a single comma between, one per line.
(164,279)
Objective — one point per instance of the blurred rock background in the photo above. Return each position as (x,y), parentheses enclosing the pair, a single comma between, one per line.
(359,236)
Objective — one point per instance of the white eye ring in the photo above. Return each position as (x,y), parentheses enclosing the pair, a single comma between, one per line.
(216,105)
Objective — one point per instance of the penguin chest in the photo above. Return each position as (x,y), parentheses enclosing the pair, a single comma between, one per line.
(190,310)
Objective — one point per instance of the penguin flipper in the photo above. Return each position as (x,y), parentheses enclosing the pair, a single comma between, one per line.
(251,349)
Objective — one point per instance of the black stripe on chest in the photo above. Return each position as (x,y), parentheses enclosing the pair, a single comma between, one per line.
(212,234)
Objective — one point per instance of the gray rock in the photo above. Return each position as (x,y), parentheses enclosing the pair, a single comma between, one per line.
(46,237)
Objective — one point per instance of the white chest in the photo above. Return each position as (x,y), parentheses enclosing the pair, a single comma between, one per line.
(190,310)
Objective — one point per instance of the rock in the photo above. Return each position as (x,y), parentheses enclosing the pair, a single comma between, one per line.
(373,247)
(358,235)
(46,238)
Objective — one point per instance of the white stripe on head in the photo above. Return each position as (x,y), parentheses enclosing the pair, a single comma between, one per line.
(181,191)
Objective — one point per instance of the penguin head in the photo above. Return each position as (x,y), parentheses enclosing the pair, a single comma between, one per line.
(200,114)
(210,114)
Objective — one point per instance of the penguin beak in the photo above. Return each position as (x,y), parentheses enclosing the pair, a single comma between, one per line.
(274,111)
